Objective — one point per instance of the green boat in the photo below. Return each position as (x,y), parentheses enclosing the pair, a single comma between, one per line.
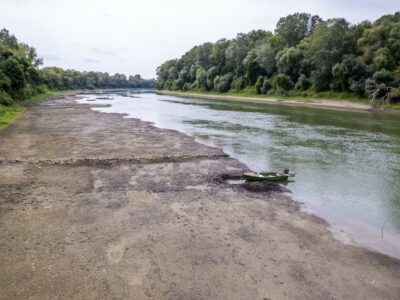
(266,176)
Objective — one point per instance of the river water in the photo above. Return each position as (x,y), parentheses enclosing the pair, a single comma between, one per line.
(347,164)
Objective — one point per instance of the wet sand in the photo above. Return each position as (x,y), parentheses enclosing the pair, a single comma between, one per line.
(95,206)
(325,104)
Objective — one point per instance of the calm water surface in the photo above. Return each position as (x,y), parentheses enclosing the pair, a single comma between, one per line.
(347,164)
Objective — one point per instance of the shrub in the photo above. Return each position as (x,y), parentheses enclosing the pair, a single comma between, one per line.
(386,77)
(168,84)
(5,99)
(186,86)
(222,83)
(303,83)
(357,86)
(177,85)
(259,84)
(239,83)
(267,85)
(320,80)
(282,81)
(201,78)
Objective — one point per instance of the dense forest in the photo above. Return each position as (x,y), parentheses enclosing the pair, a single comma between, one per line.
(305,55)
(21,78)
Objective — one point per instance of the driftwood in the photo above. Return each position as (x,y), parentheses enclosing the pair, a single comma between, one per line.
(380,95)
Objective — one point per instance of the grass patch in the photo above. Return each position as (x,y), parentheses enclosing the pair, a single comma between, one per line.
(40,97)
(8,114)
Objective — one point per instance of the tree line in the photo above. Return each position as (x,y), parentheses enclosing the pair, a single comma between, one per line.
(21,77)
(304,55)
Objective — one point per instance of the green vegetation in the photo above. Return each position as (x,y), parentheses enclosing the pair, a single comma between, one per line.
(8,113)
(307,96)
(306,57)
(21,80)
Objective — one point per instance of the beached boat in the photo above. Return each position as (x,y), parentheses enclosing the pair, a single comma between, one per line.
(266,176)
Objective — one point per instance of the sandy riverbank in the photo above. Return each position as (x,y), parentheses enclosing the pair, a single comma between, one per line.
(96,206)
(326,104)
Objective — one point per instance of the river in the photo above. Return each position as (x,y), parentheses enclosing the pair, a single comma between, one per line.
(347,164)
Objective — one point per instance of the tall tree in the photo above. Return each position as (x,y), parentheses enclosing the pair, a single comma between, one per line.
(293,28)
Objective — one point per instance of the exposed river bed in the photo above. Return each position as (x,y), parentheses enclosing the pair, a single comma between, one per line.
(347,164)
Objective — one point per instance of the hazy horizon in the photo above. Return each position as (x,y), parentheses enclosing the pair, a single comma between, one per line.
(135,37)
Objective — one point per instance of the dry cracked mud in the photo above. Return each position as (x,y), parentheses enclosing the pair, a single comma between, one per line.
(96,206)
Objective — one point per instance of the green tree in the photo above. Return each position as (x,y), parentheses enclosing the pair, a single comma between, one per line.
(290,62)
(15,71)
(265,58)
(325,47)
(218,57)
(383,60)
(8,40)
(211,74)
(350,74)
(201,78)
(294,28)
(252,68)
(384,33)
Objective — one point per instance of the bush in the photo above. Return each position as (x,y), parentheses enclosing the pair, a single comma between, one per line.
(282,81)
(177,85)
(320,80)
(386,77)
(186,86)
(168,85)
(267,85)
(283,93)
(5,99)
(201,78)
(222,83)
(239,84)
(357,86)
(350,74)
(259,84)
(211,74)
(303,83)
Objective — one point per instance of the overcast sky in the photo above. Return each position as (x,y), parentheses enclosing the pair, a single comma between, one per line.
(134,36)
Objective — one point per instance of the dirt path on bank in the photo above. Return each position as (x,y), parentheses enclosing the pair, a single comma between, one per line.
(95,206)
(326,104)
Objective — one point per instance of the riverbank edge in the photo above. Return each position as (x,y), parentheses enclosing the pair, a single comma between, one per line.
(323,104)
(8,114)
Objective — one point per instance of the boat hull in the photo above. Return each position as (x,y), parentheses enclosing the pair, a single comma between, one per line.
(265,176)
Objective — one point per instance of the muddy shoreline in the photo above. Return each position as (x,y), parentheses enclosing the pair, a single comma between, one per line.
(324,104)
(96,206)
